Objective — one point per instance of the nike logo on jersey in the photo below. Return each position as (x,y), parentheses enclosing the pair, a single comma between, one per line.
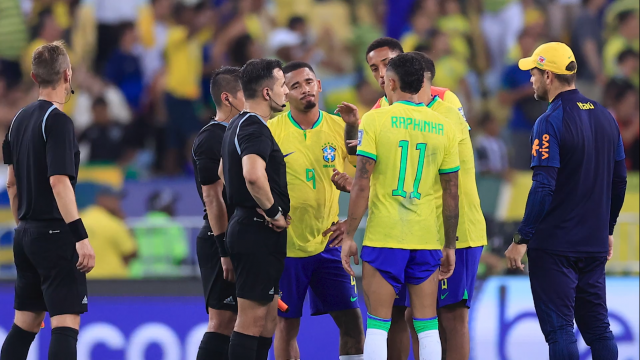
(354,298)
(288,154)
(444,295)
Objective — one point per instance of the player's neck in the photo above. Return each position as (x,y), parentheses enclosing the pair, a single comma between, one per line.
(257,106)
(405,97)
(424,96)
(306,120)
(225,115)
(57,96)
(554,91)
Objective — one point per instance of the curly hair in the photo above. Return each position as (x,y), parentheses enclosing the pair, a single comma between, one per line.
(410,70)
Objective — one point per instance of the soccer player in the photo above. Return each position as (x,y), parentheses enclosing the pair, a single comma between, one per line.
(51,247)
(579,182)
(402,148)
(255,176)
(313,143)
(213,257)
(455,293)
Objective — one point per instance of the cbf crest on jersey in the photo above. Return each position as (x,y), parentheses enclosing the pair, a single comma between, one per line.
(329,154)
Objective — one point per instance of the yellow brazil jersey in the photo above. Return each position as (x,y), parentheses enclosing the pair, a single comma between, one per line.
(472,230)
(411,144)
(311,155)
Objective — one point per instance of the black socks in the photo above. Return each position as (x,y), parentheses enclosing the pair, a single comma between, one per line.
(243,346)
(214,346)
(63,344)
(16,344)
(264,345)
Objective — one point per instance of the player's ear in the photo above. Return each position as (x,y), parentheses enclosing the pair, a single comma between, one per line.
(319,85)
(266,94)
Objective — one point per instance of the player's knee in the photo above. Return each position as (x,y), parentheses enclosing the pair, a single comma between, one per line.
(563,335)
(221,321)
(69,320)
(288,328)
(29,321)
(592,337)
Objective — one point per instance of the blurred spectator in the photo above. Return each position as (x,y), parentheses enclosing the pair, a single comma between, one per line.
(368,95)
(109,15)
(624,108)
(13,38)
(451,70)
(104,137)
(111,240)
(501,23)
(627,37)
(162,242)
(46,31)
(586,43)
(517,93)
(184,49)
(123,67)
(491,152)
(422,25)
(153,27)
(562,14)
(628,66)
(455,24)
(243,49)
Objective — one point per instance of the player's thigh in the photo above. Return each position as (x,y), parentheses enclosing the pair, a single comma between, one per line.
(331,288)
(294,284)
(29,320)
(554,279)
(66,320)
(383,274)
(421,276)
(219,293)
(28,287)
(591,311)
(271,319)
(221,321)
(379,293)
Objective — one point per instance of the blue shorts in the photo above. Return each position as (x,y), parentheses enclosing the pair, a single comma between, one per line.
(400,266)
(330,287)
(460,285)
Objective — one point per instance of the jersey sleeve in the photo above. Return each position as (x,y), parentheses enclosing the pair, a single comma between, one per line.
(451,159)
(7,156)
(252,138)
(545,141)
(620,150)
(453,100)
(367,138)
(207,154)
(60,138)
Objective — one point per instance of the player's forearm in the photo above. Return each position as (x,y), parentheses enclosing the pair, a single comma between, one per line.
(65,197)
(350,133)
(258,186)
(540,195)
(618,191)
(450,208)
(359,199)
(216,209)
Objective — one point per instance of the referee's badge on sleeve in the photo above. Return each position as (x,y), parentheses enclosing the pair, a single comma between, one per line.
(360,134)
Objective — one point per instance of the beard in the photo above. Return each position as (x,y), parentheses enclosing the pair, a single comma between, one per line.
(309,105)
(541,94)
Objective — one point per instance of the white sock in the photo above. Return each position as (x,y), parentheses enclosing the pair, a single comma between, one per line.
(375,345)
(430,348)
(352,357)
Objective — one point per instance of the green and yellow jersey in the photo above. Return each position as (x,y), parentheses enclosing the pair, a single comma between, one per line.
(311,155)
(472,229)
(411,144)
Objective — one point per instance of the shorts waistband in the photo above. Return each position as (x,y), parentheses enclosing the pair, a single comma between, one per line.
(40,224)
(247,211)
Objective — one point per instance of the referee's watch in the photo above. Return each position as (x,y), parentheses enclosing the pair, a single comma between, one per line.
(277,215)
(519,240)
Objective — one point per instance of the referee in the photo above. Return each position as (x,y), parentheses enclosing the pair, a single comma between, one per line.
(579,183)
(256,179)
(51,248)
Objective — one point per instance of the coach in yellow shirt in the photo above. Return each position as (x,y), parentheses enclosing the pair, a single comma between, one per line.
(312,142)
(401,150)
(110,237)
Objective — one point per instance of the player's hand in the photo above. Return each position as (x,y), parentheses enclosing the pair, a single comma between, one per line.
(610,255)
(352,143)
(349,113)
(514,256)
(227,268)
(341,180)
(349,249)
(282,223)
(337,231)
(447,264)
(86,256)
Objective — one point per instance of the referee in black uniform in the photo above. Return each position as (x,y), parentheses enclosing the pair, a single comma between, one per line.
(51,248)
(216,269)
(256,180)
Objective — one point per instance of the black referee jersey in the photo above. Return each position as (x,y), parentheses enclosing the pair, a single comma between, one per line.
(39,144)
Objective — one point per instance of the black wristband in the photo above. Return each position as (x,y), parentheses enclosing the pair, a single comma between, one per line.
(273,211)
(222,245)
(76,227)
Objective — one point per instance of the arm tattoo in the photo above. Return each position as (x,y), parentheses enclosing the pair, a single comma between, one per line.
(351,133)
(364,167)
(450,208)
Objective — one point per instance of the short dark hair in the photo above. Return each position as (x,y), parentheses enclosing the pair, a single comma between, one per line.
(410,71)
(623,16)
(48,63)
(257,74)
(427,62)
(225,79)
(295,21)
(627,54)
(99,101)
(296,65)
(566,79)
(391,43)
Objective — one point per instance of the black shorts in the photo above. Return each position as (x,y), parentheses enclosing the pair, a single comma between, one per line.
(48,279)
(257,253)
(219,294)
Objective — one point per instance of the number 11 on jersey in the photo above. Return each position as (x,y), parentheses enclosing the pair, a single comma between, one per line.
(404,154)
